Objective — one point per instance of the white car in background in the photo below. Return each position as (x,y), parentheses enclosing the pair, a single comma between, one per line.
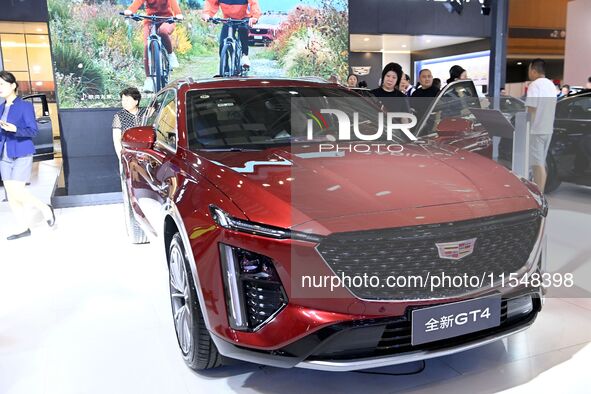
(266,30)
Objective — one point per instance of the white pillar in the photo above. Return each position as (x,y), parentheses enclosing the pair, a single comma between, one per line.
(577,59)
(520,165)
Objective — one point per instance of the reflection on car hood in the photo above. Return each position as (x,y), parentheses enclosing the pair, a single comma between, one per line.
(291,186)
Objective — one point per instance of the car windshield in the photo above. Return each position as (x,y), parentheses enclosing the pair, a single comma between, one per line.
(259,118)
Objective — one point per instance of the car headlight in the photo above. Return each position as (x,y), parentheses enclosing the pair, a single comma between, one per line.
(537,195)
(231,223)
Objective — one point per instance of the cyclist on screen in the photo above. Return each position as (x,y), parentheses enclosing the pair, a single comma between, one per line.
(158,8)
(234,9)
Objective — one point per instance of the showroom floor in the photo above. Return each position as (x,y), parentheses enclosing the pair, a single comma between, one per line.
(83,311)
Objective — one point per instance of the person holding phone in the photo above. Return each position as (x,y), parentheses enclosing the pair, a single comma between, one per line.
(18,126)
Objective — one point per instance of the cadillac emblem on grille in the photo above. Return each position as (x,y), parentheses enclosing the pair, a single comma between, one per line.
(456,250)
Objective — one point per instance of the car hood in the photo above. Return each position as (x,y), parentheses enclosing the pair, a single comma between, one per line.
(292,186)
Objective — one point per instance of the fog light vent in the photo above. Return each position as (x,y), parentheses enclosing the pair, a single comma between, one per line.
(519,307)
(254,293)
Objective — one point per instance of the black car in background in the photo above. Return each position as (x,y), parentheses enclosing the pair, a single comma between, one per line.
(44,139)
(567,160)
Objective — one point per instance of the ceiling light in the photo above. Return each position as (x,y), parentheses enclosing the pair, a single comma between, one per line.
(366,39)
(403,45)
(519,63)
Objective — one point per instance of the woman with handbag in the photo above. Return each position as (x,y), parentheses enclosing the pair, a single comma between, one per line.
(18,126)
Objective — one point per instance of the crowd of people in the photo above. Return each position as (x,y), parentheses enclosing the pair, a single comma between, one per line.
(540,101)
(566,89)
(395,87)
(396,82)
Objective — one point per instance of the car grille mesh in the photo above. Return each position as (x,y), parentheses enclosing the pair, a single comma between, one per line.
(395,339)
(503,245)
(263,300)
(397,335)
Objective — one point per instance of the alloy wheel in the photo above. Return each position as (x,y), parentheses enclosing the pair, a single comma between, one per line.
(179,293)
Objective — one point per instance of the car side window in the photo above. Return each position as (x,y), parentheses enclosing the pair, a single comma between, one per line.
(577,108)
(166,127)
(153,110)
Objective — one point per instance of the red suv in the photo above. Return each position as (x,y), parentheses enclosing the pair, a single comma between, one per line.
(286,253)
(266,30)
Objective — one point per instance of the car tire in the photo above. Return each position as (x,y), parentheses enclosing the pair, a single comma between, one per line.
(197,347)
(552,180)
(134,232)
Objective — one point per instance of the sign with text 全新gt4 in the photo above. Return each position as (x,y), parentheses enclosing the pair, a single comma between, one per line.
(454,319)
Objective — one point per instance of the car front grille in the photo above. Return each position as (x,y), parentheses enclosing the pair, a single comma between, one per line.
(397,335)
(503,245)
(395,338)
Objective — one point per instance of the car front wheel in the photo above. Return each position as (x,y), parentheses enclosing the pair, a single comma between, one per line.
(199,351)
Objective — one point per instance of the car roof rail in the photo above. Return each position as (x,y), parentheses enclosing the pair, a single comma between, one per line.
(182,81)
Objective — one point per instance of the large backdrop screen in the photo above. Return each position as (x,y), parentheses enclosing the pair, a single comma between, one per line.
(97,52)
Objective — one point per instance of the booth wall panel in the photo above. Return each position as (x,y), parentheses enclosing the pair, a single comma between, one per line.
(416,18)
(90,162)
(24,11)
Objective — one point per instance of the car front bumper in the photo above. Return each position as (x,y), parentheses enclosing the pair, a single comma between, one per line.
(355,345)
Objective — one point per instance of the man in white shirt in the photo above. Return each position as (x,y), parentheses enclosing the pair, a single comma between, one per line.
(541,104)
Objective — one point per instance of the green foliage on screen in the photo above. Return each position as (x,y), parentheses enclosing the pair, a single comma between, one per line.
(97,53)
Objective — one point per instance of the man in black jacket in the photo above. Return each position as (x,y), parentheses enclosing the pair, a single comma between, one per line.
(427,89)
(422,97)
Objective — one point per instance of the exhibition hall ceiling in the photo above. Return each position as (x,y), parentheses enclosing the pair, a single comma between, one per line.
(402,43)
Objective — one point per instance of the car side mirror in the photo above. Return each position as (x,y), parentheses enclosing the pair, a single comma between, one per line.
(138,138)
(454,126)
